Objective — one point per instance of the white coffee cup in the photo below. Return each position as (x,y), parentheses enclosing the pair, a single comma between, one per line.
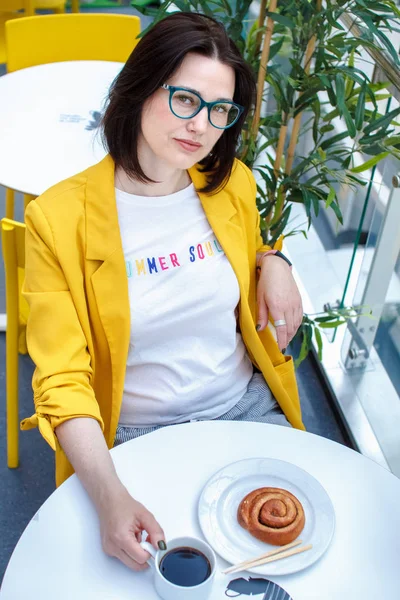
(171,591)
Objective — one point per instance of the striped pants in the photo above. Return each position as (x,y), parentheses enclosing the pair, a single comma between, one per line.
(257,404)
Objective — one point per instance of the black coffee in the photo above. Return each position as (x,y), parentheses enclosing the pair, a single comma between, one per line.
(185,566)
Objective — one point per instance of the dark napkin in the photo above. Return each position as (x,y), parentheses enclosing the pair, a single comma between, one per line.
(255,586)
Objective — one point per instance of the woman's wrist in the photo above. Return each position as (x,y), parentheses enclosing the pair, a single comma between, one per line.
(109,495)
(277,253)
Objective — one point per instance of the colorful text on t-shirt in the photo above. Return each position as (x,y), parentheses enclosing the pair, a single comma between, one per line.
(156,264)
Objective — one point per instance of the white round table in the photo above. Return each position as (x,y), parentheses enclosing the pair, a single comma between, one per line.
(48,122)
(59,554)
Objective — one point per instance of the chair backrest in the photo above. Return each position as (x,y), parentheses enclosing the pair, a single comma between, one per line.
(11,5)
(13,242)
(13,9)
(29,6)
(44,39)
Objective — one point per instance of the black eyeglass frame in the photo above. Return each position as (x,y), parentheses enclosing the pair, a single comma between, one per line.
(172,89)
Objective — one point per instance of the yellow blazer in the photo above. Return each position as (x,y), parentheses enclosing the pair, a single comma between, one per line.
(77,289)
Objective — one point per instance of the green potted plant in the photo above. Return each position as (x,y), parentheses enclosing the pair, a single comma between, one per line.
(305,56)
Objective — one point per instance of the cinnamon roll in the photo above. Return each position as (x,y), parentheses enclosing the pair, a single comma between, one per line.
(272,515)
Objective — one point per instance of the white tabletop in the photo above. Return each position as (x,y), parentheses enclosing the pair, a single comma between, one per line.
(59,554)
(46,120)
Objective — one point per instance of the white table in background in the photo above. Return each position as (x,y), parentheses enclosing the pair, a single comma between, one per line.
(59,554)
(47,120)
(48,123)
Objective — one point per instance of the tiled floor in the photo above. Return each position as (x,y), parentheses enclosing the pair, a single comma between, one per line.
(23,490)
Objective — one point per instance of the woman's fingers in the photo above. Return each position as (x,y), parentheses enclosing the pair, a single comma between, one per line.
(122,525)
(289,318)
(262,316)
(292,317)
(278,294)
(156,534)
(130,562)
(299,316)
(281,332)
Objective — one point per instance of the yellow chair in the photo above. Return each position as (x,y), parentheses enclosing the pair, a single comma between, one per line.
(32,41)
(13,241)
(12,9)
(55,38)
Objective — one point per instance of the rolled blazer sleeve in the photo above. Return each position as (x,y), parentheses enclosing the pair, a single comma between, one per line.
(56,341)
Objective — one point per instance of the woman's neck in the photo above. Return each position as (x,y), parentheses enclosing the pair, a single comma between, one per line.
(167,182)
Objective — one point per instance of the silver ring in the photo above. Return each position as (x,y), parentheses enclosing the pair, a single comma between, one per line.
(280,323)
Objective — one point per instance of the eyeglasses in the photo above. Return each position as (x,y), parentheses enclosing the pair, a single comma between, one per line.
(185,104)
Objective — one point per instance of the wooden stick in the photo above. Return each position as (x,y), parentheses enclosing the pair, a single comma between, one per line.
(264,561)
(261,19)
(281,145)
(297,120)
(265,555)
(263,68)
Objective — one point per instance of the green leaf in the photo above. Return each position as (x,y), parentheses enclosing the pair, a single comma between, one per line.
(334,139)
(367,140)
(336,209)
(388,45)
(285,21)
(332,21)
(383,121)
(356,180)
(340,92)
(360,109)
(312,198)
(326,128)
(140,3)
(331,95)
(325,319)
(311,93)
(392,141)
(332,324)
(295,195)
(351,128)
(275,48)
(304,350)
(372,150)
(369,163)
(318,338)
(346,162)
(278,230)
(331,197)
(353,73)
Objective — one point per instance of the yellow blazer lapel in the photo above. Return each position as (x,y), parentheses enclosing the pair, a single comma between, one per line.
(109,280)
(223,218)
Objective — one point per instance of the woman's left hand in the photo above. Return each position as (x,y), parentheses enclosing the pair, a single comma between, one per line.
(279,297)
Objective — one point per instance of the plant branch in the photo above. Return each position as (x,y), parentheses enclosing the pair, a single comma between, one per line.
(297,120)
(261,19)
(263,68)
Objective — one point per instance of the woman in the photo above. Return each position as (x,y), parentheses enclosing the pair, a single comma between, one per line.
(141,275)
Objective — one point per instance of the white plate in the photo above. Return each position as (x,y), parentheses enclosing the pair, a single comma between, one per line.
(223,493)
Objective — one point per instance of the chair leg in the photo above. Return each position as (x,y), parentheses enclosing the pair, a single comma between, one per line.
(75,6)
(10,195)
(27,199)
(12,395)
(29,6)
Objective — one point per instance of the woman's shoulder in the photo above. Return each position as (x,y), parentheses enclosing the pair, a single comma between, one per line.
(62,201)
(62,194)
(68,198)
(241,177)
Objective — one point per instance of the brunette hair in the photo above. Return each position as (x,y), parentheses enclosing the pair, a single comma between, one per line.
(156,57)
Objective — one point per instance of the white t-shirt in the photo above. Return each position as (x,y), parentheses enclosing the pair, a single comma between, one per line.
(186,361)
